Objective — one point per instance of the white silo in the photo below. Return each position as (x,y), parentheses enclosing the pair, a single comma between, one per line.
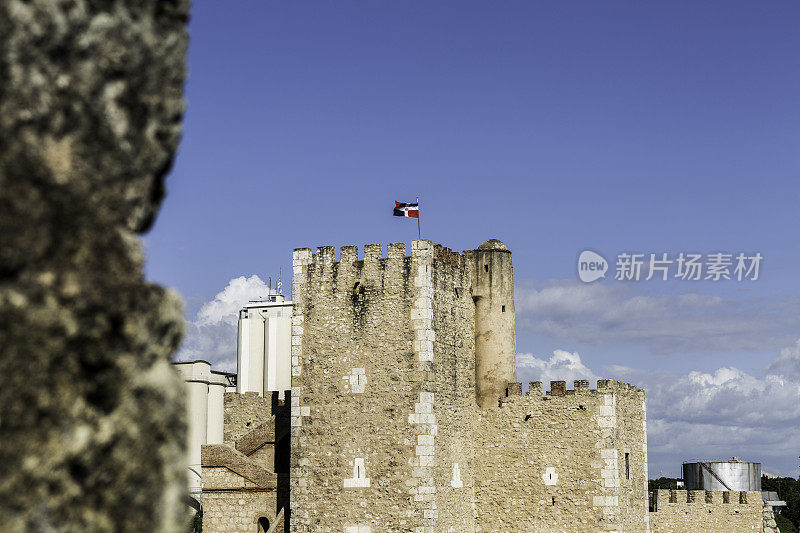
(264,346)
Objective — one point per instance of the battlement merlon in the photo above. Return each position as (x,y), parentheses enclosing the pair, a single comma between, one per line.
(374,252)
(580,387)
(392,269)
(664,497)
(324,264)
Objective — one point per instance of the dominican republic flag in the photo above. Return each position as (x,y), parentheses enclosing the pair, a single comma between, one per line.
(406,210)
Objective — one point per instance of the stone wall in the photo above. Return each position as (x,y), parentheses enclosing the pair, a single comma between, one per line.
(768,519)
(234,504)
(92,430)
(382,355)
(386,431)
(558,462)
(682,511)
(443,417)
(244,412)
(246,479)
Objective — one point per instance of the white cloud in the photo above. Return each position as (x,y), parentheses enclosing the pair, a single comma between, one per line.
(704,415)
(728,397)
(788,361)
(602,314)
(719,414)
(212,334)
(561,366)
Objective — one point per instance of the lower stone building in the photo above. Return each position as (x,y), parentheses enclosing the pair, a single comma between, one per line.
(246,480)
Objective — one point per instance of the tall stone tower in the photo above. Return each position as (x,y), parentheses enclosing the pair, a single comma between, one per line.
(495,334)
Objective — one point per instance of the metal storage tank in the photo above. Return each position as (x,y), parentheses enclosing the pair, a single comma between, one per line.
(722,475)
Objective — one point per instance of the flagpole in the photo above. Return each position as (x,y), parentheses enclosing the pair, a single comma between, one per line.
(419,231)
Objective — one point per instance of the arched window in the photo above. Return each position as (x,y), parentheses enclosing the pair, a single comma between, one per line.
(263,524)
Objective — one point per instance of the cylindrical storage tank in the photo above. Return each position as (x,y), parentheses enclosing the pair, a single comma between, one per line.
(495,330)
(243,352)
(197,412)
(251,355)
(722,475)
(216,409)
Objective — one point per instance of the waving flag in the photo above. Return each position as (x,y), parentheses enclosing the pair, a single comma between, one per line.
(406,210)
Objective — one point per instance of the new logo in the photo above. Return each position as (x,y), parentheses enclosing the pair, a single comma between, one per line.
(591,266)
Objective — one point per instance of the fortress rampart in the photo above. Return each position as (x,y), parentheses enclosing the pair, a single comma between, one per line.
(706,510)
(388,432)
(246,479)
(571,460)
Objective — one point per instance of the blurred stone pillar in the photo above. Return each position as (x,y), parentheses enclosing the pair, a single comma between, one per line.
(92,423)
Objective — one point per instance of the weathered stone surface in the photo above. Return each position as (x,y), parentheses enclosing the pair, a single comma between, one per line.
(243,413)
(92,98)
(91,414)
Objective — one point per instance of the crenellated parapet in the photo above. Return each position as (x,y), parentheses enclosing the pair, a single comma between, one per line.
(373,256)
(581,387)
(382,351)
(666,497)
(406,414)
(711,511)
(374,270)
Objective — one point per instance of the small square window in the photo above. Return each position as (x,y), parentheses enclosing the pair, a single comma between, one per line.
(503,309)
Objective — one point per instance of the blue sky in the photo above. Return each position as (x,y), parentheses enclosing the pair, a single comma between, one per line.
(553,126)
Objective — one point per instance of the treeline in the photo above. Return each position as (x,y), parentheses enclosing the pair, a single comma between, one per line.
(663,483)
(788,489)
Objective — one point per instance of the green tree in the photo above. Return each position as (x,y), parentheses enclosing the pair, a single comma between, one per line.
(784,524)
(196,525)
(788,490)
(663,483)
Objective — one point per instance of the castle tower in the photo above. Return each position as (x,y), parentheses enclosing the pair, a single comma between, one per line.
(495,336)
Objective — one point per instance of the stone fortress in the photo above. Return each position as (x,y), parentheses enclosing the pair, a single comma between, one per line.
(404,415)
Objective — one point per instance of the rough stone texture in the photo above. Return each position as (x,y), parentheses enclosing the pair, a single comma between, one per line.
(91,101)
(355,315)
(558,462)
(495,338)
(768,519)
(243,412)
(91,420)
(232,504)
(682,511)
(387,434)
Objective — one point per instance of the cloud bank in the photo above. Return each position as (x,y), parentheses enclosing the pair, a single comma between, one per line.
(561,366)
(605,314)
(704,415)
(211,336)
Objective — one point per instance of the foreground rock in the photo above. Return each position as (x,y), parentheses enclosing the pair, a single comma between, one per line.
(91,414)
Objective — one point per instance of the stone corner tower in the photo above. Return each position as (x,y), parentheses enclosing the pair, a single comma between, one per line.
(495,334)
